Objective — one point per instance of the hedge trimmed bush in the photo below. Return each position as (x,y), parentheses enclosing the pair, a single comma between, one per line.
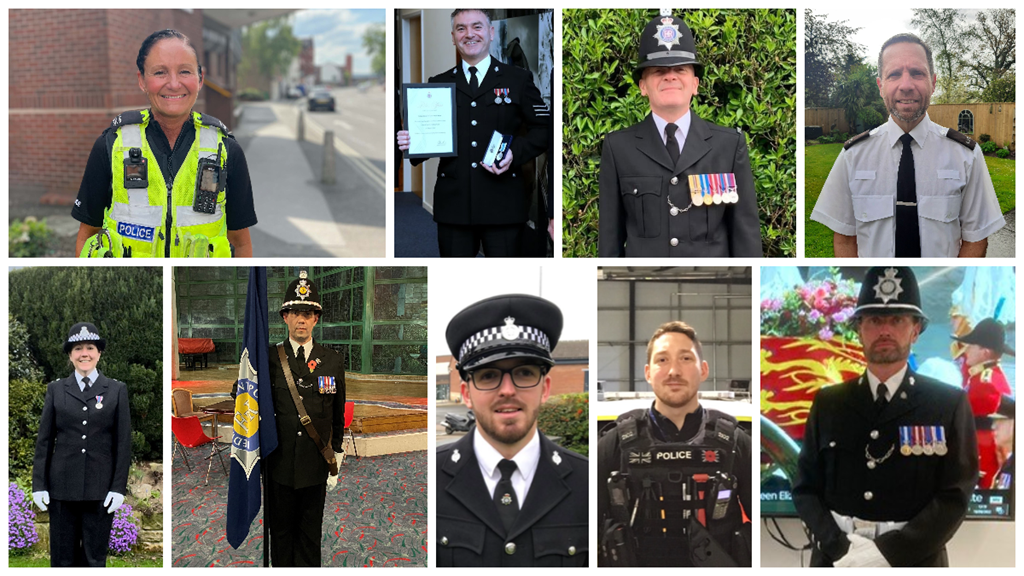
(566,416)
(1002,153)
(126,305)
(749,82)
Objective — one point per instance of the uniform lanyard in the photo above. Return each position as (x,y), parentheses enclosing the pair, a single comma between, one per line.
(657,427)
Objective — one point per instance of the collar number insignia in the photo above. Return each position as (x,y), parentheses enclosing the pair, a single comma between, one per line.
(456,456)
(556,458)
(668,33)
(510,331)
(888,286)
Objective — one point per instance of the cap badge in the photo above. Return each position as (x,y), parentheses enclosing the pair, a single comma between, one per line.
(302,290)
(302,274)
(556,458)
(888,287)
(668,33)
(510,331)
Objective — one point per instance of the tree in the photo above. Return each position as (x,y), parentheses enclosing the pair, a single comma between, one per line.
(857,93)
(827,50)
(945,31)
(1001,89)
(995,46)
(268,48)
(20,364)
(373,41)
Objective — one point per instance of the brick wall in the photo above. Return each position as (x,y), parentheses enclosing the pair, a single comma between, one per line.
(71,71)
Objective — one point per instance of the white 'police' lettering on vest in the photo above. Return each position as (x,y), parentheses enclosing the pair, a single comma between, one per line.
(135,232)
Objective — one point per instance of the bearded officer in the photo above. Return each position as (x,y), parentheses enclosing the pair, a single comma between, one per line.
(308,381)
(889,458)
(674,184)
(506,494)
(910,187)
(692,490)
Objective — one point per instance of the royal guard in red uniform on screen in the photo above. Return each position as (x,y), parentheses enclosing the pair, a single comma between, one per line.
(985,384)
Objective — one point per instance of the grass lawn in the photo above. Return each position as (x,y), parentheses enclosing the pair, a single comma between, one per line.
(818,162)
(127,561)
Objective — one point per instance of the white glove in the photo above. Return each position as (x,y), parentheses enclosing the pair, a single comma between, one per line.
(863,553)
(42,499)
(332,482)
(113,502)
(340,457)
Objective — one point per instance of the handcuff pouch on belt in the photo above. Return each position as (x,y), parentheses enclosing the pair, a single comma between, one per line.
(326,451)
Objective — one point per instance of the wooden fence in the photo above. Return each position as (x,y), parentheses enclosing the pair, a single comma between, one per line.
(997,119)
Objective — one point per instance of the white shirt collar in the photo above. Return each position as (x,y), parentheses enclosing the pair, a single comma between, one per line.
(919,133)
(481,68)
(92,378)
(526,464)
(892,384)
(684,127)
(308,347)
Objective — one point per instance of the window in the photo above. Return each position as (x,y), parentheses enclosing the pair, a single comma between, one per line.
(965,123)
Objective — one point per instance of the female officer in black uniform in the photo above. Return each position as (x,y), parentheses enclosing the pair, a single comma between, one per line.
(80,471)
(126,205)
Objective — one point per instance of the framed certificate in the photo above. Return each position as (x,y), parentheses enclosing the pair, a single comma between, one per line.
(428,113)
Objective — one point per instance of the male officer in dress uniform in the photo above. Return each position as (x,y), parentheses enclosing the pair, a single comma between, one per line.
(506,494)
(910,187)
(986,385)
(674,184)
(889,458)
(305,464)
(475,204)
(684,468)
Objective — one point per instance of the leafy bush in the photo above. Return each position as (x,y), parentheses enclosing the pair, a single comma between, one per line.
(26,405)
(988,146)
(984,138)
(21,527)
(29,238)
(1002,153)
(252,95)
(124,532)
(126,305)
(749,82)
(20,364)
(567,417)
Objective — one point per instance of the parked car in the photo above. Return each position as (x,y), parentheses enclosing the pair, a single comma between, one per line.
(321,100)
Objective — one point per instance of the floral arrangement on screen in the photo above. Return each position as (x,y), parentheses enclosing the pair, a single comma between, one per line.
(124,531)
(818,309)
(21,527)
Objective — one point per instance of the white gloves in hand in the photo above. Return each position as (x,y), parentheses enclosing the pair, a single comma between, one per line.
(332,482)
(340,457)
(113,502)
(863,553)
(42,499)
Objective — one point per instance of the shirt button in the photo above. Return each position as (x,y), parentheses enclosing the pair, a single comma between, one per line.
(874,434)
(674,242)
(444,540)
(473,104)
(474,164)
(300,432)
(510,548)
(83,436)
(83,450)
(442,174)
(84,408)
(864,215)
(832,444)
(473,122)
(473,143)
(634,190)
(84,422)
(868,495)
(572,550)
(674,180)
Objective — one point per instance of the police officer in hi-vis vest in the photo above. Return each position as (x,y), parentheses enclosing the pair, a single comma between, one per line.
(167,181)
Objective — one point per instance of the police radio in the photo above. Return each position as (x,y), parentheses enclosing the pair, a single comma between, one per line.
(209,182)
(136,174)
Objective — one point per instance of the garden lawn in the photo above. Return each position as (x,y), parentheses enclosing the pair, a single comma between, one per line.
(126,561)
(818,162)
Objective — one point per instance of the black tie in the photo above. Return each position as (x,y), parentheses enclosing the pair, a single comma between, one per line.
(301,356)
(86,382)
(474,84)
(882,398)
(505,496)
(670,142)
(908,235)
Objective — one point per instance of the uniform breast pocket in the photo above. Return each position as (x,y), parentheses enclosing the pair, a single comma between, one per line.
(939,218)
(564,545)
(873,215)
(641,198)
(459,543)
(838,463)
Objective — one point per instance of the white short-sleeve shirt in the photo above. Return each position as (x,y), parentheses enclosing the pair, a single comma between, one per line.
(955,196)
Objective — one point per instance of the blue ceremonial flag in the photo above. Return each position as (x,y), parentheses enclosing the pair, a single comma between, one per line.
(255,432)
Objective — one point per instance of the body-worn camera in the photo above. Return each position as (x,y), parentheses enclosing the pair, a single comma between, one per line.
(209,182)
(136,174)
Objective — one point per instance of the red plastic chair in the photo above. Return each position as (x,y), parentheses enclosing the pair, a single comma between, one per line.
(189,434)
(350,409)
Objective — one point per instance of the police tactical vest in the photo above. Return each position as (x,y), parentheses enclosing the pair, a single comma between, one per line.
(138,219)
(675,485)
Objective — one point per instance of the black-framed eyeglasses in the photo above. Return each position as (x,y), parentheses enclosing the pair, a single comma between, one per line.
(523,376)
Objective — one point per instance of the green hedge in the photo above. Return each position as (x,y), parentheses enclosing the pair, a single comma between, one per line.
(566,416)
(749,82)
(126,305)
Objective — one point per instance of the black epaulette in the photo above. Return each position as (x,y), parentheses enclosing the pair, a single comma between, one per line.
(129,117)
(855,139)
(207,120)
(960,138)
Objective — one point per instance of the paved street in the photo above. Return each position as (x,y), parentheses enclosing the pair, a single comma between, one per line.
(442,409)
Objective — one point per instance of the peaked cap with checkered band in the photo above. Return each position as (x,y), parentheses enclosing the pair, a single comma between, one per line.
(507,326)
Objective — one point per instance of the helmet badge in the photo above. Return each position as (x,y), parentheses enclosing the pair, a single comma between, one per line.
(668,33)
(302,290)
(510,331)
(888,286)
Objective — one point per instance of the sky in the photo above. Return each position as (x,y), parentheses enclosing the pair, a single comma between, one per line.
(337,33)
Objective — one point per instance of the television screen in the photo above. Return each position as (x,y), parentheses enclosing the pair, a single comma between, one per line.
(807,343)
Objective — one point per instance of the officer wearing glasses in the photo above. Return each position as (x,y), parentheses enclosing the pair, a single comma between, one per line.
(506,494)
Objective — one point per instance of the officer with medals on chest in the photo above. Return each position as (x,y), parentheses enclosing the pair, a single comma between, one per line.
(674,184)
(674,480)
(889,459)
(909,188)
(986,386)
(506,494)
(308,384)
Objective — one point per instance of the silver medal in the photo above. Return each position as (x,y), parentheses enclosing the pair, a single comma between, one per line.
(508,100)
(99,405)
(497,100)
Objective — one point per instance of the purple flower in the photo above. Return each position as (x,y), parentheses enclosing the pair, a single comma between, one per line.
(825,334)
(124,532)
(21,528)
(814,316)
